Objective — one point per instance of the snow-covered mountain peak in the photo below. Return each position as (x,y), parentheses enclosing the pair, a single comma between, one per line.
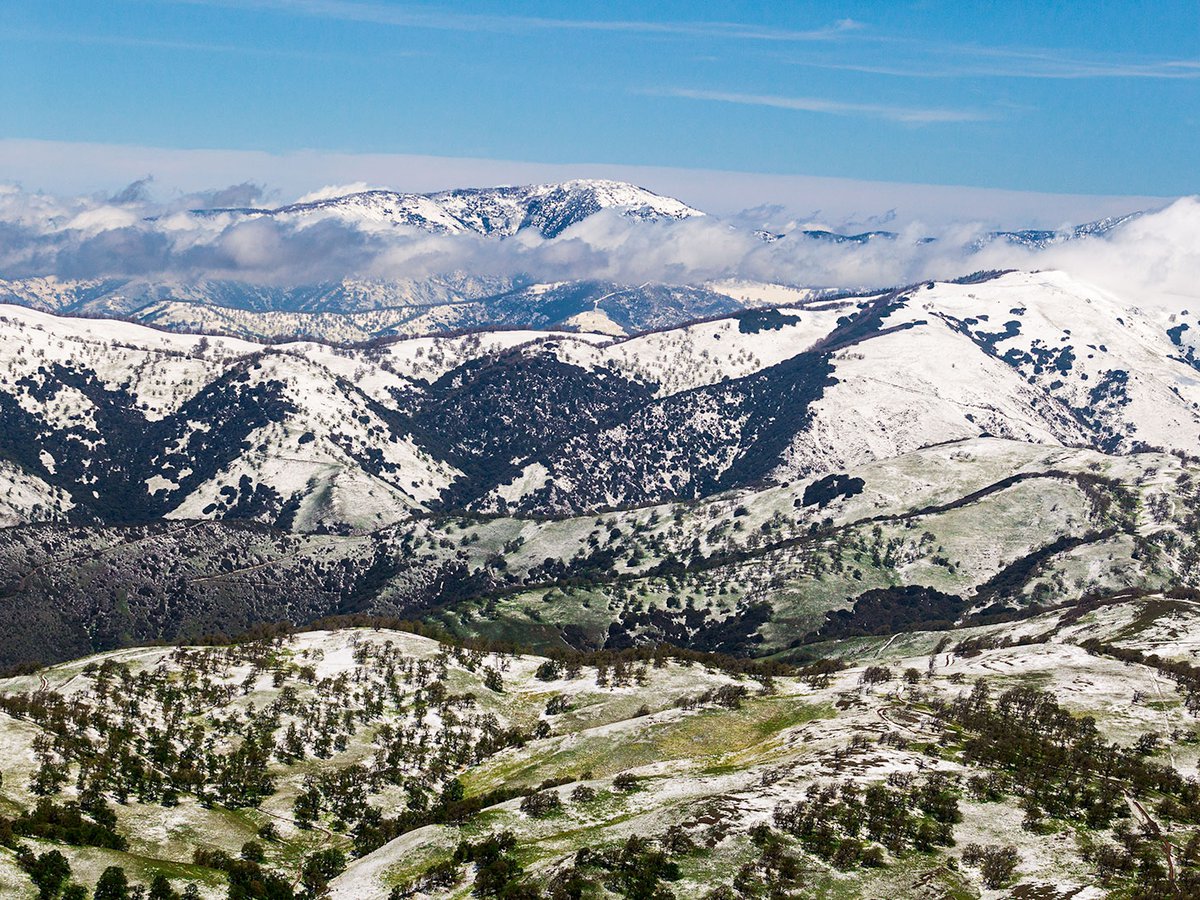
(549,209)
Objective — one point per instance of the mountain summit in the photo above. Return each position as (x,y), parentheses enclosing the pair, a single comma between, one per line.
(548,209)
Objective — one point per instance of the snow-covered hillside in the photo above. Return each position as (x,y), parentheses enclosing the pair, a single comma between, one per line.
(1038,357)
(116,421)
(1034,357)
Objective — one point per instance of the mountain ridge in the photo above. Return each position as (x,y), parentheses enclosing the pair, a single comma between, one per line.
(548,209)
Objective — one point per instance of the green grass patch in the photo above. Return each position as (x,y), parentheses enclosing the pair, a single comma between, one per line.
(709,736)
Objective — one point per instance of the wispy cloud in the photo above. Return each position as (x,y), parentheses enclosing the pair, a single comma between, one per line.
(446,20)
(972,61)
(907,114)
(154,43)
(965,60)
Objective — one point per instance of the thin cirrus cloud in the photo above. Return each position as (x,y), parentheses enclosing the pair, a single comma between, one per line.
(906,114)
(164,44)
(1008,62)
(444,20)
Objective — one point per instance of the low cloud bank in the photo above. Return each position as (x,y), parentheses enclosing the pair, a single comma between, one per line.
(1152,259)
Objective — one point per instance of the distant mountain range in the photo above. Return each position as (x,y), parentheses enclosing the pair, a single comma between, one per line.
(1031,238)
(550,209)
(358,309)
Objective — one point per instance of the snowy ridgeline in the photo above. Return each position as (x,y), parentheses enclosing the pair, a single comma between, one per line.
(548,209)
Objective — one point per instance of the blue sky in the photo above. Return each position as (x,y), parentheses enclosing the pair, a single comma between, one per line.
(1068,97)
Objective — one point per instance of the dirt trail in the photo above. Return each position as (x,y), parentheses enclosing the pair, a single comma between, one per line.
(879,652)
(1166,718)
(58,562)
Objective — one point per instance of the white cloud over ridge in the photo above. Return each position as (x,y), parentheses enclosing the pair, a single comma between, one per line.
(1154,259)
(331,191)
